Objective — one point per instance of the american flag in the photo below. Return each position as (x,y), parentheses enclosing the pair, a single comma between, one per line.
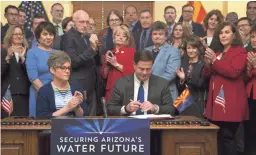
(220,99)
(32,8)
(6,103)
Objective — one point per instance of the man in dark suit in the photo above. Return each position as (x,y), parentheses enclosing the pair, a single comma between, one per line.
(82,51)
(143,37)
(131,17)
(187,16)
(141,92)
(11,13)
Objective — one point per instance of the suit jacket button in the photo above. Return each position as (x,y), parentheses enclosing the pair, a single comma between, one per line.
(17,78)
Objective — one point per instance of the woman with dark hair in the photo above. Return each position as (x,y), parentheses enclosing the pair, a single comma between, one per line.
(66,24)
(178,36)
(227,102)
(36,62)
(250,126)
(13,70)
(59,97)
(211,23)
(190,76)
(105,36)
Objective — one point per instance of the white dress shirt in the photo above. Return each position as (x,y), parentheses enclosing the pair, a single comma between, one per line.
(136,91)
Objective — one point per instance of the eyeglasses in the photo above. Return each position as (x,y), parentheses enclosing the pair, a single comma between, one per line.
(114,20)
(130,13)
(18,34)
(64,68)
(92,24)
(13,14)
(242,25)
(187,11)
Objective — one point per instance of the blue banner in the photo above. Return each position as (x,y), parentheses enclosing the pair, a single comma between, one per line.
(80,136)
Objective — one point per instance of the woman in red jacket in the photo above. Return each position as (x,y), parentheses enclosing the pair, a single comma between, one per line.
(250,126)
(119,61)
(227,101)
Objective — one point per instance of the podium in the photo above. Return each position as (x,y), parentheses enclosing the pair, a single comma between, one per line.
(182,136)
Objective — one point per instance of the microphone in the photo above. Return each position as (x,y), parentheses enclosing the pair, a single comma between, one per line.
(103,102)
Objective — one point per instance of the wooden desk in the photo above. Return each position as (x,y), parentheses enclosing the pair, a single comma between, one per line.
(185,139)
(188,139)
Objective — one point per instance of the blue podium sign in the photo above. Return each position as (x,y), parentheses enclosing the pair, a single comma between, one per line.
(80,136)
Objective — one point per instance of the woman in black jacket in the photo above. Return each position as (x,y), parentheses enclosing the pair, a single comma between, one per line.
(13,70)
(190,76)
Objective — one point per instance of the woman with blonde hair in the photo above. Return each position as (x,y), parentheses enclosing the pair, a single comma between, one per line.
(119,61)
(13,73)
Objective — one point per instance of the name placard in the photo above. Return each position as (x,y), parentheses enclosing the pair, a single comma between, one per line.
(79,136)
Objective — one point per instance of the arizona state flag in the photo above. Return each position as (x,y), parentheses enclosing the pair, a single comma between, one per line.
(183,101)
(199,11)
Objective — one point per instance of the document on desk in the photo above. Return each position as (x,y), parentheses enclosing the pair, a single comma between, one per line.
(152,116)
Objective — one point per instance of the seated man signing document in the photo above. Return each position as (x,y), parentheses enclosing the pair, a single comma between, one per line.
(141,92)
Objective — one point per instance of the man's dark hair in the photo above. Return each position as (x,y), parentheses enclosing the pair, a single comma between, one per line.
(47,26)
(169,7)
(129,7)
(146,10)
(143,55)
(159,25)
(38,16)
(249,3)
(244,18)
(21,9)
(10,7)
(55,5)
(187,5)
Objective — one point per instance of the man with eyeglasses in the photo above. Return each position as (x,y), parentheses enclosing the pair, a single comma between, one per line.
(131,17)
(11,13)
(187,20)
(82,49)
(244,28)
(57,12)
(91,26)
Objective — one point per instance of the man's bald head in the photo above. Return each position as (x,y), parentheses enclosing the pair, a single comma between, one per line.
(81,20)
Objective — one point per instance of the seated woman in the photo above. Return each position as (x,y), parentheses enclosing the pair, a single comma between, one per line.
(119,61)
(59,97)
(190,76)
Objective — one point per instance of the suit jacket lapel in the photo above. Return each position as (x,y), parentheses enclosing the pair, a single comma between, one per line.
(79,37)
(160,55)
(151,88)
(129,89)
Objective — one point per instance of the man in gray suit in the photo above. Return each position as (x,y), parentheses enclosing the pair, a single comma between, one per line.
(167,57)
(127,97)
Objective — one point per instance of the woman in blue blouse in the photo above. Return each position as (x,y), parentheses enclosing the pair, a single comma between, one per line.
(58,97)
(36,62)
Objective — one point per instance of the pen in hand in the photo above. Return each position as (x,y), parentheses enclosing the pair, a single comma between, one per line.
(145,112)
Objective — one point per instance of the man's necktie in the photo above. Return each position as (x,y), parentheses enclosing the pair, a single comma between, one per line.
(143,39)
(155,52)
(140,97)
(57,29)
(85,39)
